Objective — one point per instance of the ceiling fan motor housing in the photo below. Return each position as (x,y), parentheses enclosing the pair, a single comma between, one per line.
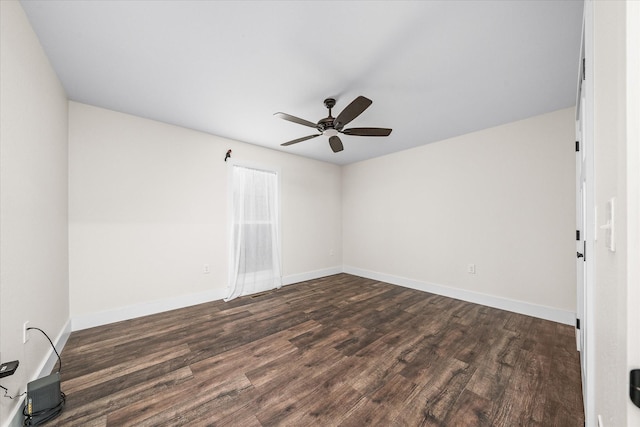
(325,124)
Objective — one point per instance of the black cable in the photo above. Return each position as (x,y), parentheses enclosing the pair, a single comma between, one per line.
(6,394)
(52,346)
(48,414)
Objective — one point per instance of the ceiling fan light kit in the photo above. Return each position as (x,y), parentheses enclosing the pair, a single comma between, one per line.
(332,126)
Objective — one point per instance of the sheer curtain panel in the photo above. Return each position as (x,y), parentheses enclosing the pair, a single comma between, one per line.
(255,242)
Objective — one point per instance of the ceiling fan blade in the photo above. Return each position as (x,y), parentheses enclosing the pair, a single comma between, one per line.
(297,120)
(367,131)
(352,111)
(295,141)
(336,144)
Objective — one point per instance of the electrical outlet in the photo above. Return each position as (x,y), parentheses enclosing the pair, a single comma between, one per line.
(205,269)
(471,269)
(25,332)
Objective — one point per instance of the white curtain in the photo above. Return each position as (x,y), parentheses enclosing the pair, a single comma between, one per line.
(255,243)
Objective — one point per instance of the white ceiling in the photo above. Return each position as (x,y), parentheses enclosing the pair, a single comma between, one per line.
(434,69)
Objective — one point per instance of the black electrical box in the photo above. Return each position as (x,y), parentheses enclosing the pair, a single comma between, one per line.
(44,399)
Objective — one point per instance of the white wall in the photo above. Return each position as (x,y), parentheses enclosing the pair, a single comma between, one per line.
(33,202)
(502,199)
(148,208)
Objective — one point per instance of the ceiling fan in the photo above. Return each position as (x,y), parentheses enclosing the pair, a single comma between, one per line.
(332,126)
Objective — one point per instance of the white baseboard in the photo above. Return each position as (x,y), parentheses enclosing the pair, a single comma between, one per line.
(310,275)
(91,320)
(48,364)
(130,312)
(515,306)
(15,419)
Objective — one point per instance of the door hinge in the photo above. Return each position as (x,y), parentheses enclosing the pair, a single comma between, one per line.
(578,235)
(577,323)
(577,146)
(634,386)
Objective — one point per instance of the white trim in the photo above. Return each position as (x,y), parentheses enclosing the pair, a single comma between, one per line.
(521,307)
(51,360)
(91,320)
(588,323)
(310,275)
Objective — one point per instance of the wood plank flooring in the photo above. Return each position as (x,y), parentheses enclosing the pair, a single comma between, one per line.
(338,351)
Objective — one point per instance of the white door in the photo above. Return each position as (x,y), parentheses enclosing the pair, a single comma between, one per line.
(585,225)
(581,237)
(633,194)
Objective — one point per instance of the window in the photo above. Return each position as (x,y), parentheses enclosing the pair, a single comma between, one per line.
(255,238)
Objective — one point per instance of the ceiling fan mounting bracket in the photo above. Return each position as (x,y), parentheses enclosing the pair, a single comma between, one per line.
(330,103)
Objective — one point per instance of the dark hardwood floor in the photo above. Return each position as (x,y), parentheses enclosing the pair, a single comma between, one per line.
(341,350)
